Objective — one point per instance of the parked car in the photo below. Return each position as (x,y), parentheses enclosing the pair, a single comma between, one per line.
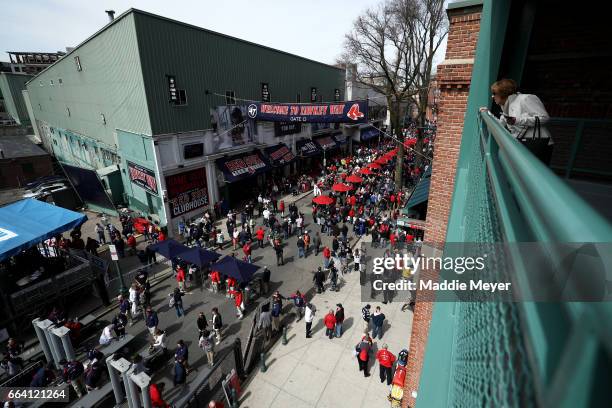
(44,180)
(45,189)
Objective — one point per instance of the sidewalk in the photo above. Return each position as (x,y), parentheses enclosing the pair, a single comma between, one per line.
(319,372)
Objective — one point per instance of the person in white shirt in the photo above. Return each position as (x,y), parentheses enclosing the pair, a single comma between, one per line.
(309,314)
(107,335)
(519,113)
(134,295)
(159,340)
(266,216)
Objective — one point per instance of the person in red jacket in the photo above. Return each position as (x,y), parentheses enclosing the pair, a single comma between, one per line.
(247,252)
(260,234)
(161,237)
(326,257)
(231,284)
(180,278)
(131,242)
(238,302)
(385,360)
(155,392)
(393,238)
(215,280)
(330,324)
(281,207)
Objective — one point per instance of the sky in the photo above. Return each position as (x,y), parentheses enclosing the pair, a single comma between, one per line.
(313,29)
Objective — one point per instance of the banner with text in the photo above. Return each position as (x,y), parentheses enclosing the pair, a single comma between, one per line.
(187,191)
(242,165)
(337,112)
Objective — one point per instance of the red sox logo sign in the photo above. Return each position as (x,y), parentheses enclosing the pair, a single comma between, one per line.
(354,113)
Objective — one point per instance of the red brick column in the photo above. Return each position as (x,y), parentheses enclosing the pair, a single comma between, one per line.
(453,77)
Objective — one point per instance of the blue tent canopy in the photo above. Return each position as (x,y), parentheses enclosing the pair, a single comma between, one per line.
(27,222)
(239,270)
(169,248)
(199,256)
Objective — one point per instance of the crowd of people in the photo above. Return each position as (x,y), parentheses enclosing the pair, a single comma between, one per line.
(371,207)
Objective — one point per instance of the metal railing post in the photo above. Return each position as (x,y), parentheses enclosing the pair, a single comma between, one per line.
(115,381)
(64,334)
(42,339)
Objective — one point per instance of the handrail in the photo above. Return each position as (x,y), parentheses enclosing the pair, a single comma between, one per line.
(544,196)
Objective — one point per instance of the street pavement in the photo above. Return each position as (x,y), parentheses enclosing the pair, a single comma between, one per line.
(315,372)
(319,372)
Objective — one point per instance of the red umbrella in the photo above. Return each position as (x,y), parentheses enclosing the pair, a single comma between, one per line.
(381,160)
(354,179)
(410,142)
(341,188)
(323,200)
(366,171)
(374,166)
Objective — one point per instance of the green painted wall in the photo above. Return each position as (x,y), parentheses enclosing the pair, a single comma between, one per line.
(202,60)
(138,149)
(11,86)
(110,83)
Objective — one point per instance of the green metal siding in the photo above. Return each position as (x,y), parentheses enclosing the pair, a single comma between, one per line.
(110,83)
(138,149)
(11,86)
(202,60)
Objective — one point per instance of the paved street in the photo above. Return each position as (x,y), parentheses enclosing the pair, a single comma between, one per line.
(319,372)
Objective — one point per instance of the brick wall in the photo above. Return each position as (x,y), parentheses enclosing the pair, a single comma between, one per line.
(13,174)
(453,77)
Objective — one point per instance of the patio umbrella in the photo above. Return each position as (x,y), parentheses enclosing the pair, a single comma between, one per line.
(169,248)
(199,256)
(353,178)
(381,160)
(239,270)
(342,188)
(366,171)
(410,142)
(374,166)
(323,200)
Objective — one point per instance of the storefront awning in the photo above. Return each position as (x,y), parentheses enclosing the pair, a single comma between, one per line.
(421,192)
(368,133)
(279,155)
(243,165)
(326,142)
(340,138)
(308,148)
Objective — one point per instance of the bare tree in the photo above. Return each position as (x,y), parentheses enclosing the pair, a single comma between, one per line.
(393,46)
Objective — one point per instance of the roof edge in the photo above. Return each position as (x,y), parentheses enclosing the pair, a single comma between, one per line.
(464,3)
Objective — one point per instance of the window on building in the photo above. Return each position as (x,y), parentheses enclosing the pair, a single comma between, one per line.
(230,98)
(77,61)
(59,81)
(191,151)
(182,97)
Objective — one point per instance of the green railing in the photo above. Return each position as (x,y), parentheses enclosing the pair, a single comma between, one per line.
(517,354)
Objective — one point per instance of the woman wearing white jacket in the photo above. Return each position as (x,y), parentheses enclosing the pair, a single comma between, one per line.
(519,113)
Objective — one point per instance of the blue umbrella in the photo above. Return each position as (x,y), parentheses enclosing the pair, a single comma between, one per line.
(241,271)
(199,256)
(169,248)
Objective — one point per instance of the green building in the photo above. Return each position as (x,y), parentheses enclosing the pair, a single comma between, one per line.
(11,87)
(159,101)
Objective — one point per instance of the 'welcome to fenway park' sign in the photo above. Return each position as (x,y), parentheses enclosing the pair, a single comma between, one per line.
(336,112)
